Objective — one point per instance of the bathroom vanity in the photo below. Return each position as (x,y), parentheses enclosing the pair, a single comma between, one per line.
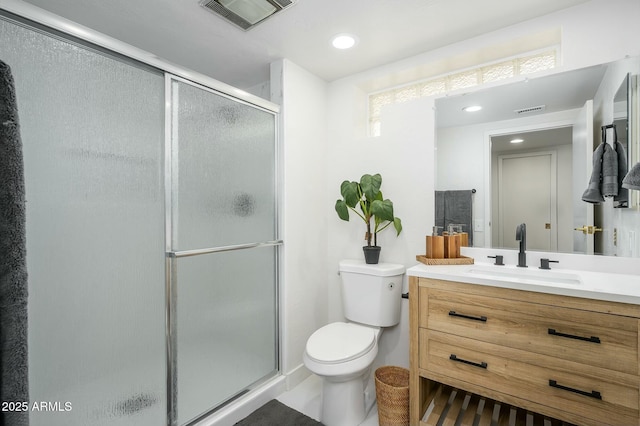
(560,344)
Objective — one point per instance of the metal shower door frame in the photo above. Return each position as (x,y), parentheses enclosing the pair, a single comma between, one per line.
(41,20)
(172,255)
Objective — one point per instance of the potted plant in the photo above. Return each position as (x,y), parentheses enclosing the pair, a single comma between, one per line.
(368,196)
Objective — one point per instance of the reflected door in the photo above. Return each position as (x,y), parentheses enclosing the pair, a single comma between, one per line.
(223,248)
(526,200)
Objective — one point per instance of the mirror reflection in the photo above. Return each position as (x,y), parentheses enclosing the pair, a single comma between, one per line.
(621,113)
(528,154)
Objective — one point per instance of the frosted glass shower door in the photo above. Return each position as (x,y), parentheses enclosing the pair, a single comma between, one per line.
(92,133)
(223,247)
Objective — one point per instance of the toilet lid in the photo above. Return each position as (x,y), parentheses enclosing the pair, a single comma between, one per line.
(340,342)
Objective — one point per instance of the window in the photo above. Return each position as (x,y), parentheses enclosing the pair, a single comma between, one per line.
(522,65)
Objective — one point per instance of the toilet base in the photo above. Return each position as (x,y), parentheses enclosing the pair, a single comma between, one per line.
(343,403)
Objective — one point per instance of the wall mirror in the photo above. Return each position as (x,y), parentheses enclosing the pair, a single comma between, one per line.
(539,181)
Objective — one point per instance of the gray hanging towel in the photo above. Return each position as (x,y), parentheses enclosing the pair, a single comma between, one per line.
(14,386)
(455,207)
(623,193)
(593,194)
(609,172)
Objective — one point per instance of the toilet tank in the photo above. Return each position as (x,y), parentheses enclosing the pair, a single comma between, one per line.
(371,294)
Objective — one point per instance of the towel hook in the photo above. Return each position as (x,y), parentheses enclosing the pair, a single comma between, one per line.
(604,132)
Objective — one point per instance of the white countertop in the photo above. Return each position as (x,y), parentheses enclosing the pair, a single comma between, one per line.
(614,287)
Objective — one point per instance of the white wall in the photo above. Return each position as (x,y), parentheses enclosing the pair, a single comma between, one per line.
(463,147)
(400,156)
(302,97)
(597,32)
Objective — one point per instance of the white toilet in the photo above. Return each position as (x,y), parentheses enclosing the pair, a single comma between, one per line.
(342,352)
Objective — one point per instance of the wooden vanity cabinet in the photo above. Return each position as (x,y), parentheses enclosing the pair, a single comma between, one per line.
(568,358)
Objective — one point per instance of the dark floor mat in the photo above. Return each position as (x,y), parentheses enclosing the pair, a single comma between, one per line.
(275,413)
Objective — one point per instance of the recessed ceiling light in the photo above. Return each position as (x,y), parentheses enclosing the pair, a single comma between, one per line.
(343,41)
(472,108)
(517,140)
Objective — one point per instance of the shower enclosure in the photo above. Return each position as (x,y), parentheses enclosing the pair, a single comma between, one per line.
(152,238)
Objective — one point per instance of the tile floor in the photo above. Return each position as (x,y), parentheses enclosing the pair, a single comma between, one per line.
(306,399)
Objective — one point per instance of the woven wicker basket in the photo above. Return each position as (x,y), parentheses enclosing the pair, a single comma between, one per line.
(392,393)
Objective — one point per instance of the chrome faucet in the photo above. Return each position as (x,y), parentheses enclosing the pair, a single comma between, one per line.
(521,235)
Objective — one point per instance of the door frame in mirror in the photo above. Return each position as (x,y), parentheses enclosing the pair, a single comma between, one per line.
(500,131)
(623,94)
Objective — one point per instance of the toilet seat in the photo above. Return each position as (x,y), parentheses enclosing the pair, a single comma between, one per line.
(340,342)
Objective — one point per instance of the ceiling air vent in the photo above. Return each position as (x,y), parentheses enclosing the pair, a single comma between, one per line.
(246,13)
(530,110)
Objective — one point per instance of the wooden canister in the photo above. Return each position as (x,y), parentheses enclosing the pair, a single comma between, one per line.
(464,239)
(452,246)
(435,247)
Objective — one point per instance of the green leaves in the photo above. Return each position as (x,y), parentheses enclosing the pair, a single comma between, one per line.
(371,186)
(350,192)
(343,211)
(397,223)
(382,210)
(368,196)
(351,195)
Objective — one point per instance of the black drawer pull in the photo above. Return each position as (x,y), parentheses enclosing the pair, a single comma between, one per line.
(592,394)
(592,339)
(453,357)
(455,314)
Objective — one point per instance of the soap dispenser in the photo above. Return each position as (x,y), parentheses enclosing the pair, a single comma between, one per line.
(451,246)
(435,245)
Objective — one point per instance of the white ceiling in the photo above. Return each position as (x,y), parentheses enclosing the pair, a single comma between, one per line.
(184,33)
(532,140)
(557,92)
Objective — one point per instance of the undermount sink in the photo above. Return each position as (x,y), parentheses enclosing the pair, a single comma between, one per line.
(523,274)
(583,276)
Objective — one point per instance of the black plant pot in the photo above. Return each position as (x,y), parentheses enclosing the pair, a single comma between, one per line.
(371,254)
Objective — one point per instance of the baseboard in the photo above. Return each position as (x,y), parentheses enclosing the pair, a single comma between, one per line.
(297,376)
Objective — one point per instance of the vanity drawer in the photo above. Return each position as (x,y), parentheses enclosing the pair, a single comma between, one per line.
(591,338)
(607,397)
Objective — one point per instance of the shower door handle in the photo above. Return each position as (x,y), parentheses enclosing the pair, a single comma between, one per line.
(198,252)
